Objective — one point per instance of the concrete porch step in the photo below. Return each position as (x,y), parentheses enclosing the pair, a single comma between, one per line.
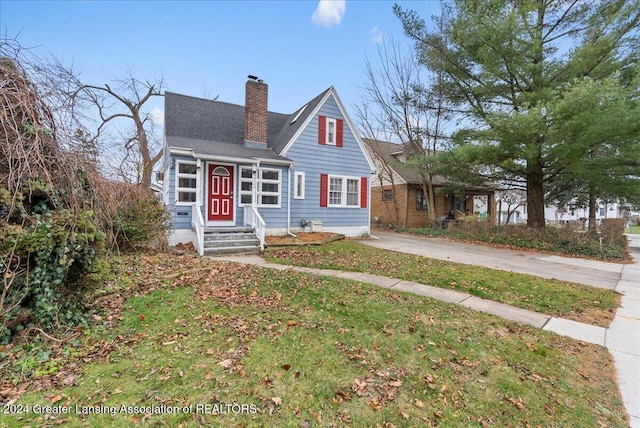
(230,240)
(252,249)
(209,237)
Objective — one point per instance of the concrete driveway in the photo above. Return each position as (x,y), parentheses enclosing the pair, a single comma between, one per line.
(590,272)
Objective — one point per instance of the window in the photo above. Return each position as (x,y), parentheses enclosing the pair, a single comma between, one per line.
(298,115)
(298,185)
(245,185)
(186,180)
(268,187)
(335,191)
(421,201)
(387,195)
(330,131)
(344,192)
(353,192)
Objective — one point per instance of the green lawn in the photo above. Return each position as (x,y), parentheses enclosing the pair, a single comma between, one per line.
(270,348)
(632,229)
(557,298)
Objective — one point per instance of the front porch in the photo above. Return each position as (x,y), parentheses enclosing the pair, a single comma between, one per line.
(247,239)
(217,202)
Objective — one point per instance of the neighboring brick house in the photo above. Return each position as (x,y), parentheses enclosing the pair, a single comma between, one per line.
(397,197)
(238,173)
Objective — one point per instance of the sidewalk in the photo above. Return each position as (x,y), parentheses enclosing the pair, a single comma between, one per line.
(622,338)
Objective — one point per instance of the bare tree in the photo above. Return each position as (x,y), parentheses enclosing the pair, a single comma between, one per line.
(512,199)
(121,127)
(386,174)
(399,106)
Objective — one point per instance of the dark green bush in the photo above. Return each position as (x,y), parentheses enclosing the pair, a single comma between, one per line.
(44,266)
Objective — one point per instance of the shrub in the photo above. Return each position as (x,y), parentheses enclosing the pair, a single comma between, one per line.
(132,216)
(44,266)
(562,240)
(613,230)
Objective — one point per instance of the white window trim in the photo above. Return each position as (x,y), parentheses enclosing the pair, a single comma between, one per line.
(335,131)
(298,179)
(343,191)
(259,192)
(179,189)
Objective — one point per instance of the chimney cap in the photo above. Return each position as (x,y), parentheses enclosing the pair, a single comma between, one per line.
(252,77)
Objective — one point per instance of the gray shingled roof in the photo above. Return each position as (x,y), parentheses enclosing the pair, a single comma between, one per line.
(289,129)
(217,128)
(385,151)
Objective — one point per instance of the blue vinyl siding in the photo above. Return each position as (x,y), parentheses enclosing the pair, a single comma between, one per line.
(181,214)
(316,159)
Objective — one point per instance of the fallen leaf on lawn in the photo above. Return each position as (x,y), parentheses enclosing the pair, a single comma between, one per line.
(117,391)
(226,363)
(291,323)
(285,366)
(277,401)
(419,404)
(55,399)
(518,402)
(396,383)
(437,414)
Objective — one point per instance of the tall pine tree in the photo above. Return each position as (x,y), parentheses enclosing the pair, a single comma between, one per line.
(504,61)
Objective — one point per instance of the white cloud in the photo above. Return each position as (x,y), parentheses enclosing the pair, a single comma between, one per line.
(376,35)
(329,12)
(157,116)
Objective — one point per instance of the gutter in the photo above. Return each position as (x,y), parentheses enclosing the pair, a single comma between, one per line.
(232,159)
(289,203)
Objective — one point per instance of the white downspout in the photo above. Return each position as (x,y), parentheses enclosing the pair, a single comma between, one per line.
(289,202)
(369,181)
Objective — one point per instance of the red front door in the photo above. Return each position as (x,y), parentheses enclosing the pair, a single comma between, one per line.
(220,193)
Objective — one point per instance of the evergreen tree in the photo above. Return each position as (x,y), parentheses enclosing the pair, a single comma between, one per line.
(503,62)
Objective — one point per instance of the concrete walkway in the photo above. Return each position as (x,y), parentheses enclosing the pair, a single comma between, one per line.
(622,338)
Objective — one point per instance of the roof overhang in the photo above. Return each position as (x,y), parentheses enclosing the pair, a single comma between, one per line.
(254,159)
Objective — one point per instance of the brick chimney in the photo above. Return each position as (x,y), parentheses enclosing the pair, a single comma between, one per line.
(255,113)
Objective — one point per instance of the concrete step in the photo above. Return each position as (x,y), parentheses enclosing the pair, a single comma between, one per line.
(230,240)
(228,236)
(227,230)
(230,243)
(252,249)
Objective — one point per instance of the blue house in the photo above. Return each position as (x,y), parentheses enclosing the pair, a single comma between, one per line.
(234,174)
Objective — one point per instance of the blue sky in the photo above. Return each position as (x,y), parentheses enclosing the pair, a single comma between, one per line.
(207,48)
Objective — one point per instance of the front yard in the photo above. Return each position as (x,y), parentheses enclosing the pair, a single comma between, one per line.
(184,341)
(557,298)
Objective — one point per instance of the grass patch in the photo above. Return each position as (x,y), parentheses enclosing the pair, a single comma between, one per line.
(558,240)
(286,349)
(632,229)
(552,297)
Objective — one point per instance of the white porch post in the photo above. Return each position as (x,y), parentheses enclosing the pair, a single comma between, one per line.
(254,185)
(199,186)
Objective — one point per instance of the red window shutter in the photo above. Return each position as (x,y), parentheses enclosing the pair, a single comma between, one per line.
(363,192)
(322,130)
(339,129)
(324,189)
